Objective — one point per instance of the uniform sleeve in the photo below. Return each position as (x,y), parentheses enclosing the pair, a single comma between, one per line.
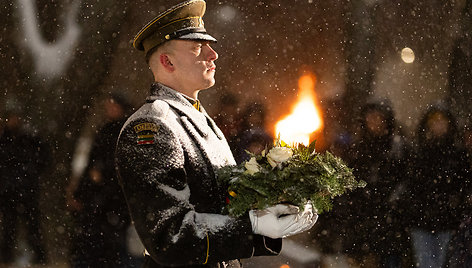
(151,164)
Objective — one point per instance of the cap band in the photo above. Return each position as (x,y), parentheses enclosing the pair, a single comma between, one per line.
(183,21)
(171,30)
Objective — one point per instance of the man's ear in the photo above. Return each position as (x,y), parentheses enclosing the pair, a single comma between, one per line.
(166,62)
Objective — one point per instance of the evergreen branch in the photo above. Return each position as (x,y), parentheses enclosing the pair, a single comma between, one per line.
(286,174)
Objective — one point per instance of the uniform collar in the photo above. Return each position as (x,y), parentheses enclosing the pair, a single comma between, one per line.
(178,101)
(195,102)
(160,91)
(201,120)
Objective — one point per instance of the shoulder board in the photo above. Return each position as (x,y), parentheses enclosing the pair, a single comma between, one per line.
(160,108)
(157,110)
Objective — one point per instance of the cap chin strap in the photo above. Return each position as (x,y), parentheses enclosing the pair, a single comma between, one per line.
(183,32)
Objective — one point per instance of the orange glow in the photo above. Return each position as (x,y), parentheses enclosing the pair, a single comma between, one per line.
(305,117)
(285,266)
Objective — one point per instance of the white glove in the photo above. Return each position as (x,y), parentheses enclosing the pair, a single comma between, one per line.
(282,220)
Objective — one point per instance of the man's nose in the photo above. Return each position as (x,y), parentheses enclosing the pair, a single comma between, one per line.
(211,54)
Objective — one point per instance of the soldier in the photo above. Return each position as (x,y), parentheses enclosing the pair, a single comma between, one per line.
(169,150)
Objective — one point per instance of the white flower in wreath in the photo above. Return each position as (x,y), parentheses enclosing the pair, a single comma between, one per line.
(279,155)
(252,167)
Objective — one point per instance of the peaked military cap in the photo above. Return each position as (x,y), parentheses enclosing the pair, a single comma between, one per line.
(182,21)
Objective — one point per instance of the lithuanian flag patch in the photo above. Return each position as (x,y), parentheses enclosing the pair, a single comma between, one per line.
(146,133)
(145,139)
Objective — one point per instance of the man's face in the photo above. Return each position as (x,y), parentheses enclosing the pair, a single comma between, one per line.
(113,110)
(375,122)
(438,125)
(194,64)
(468,140)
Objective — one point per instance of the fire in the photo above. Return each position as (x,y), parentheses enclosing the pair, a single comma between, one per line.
(305,117)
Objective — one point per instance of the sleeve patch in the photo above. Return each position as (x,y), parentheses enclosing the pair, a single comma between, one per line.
(152,127)
(146,133)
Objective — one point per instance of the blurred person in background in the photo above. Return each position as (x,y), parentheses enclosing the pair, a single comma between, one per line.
(437,189)
(374,230)
(252,135)
(337,138)
(23,159)
(329,233)
(101,215)
(460,249)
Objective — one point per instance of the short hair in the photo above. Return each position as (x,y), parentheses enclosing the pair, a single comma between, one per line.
(150,52)
(162,46)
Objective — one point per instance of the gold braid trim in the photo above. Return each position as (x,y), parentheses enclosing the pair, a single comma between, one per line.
(208,249)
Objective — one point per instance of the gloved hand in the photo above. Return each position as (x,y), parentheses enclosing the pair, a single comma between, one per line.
(282,220)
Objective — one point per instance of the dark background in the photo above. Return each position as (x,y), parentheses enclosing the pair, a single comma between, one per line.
(59,58)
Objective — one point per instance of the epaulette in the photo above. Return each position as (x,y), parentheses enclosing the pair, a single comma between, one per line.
(157,109)
(160,108)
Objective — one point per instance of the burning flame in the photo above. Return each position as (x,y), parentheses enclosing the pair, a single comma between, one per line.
(305,117)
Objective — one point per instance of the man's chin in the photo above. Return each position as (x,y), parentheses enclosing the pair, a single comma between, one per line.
(210,83)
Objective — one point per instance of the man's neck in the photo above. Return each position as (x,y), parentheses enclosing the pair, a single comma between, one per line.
(188,97)
(189,93)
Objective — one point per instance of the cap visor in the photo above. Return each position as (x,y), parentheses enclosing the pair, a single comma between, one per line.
(198,36)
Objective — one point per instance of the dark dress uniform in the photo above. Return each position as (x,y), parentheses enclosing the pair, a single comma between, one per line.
(166,156)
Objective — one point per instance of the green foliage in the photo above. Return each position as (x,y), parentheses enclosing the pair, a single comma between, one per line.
(306,175)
